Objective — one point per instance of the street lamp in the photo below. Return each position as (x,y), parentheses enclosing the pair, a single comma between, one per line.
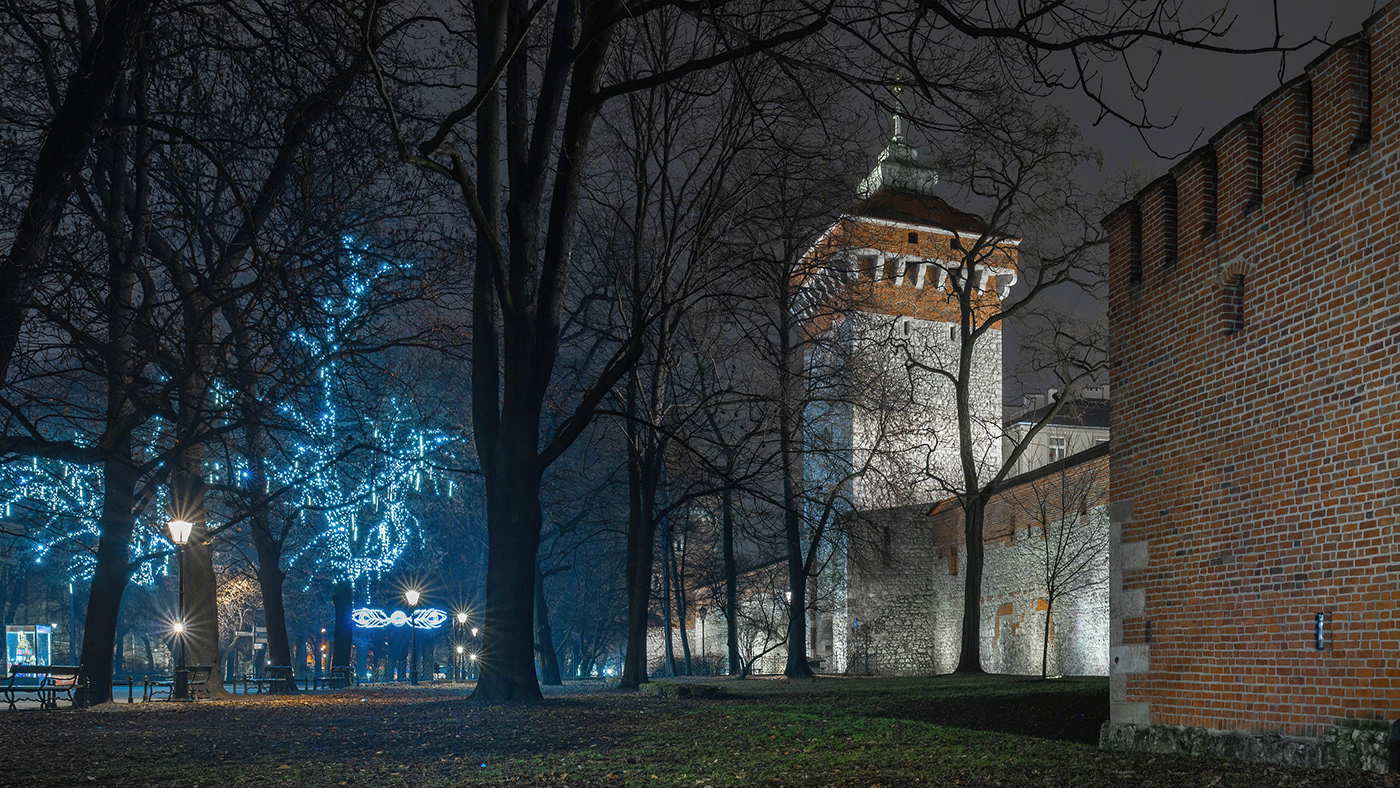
(412,596)
(462,618)
(180,535)
(702,639)
(458,662)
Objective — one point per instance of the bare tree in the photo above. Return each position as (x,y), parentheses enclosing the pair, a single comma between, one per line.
(1070,546)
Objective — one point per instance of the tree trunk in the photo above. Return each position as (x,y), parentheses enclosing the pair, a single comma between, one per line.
(270,579)
(343,597)
(150,652)
(641,539)
(789,434)
(678,586)
(119,653)
(970,658)
(731,583)
(668,667)
(507,672)
(201,613)
(544,638)
(1045,640)
(797,665)
(113,572)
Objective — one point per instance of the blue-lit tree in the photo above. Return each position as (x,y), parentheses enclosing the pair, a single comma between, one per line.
(57,505)
(357,459)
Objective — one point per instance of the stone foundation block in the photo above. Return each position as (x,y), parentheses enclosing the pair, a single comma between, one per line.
(1362,747)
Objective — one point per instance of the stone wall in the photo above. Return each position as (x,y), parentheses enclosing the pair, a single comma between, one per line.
(1356,747)
(905,573)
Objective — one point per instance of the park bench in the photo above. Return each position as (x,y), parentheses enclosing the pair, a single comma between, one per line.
(165,685)
(342,676)
(278,679)
(45,682)
(338,677)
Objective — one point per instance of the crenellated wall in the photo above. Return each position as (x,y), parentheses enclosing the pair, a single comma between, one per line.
(1255,341)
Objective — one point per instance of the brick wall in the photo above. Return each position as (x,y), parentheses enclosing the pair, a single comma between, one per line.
(1255,321)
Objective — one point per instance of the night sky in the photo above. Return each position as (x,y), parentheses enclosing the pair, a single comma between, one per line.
(1196,93)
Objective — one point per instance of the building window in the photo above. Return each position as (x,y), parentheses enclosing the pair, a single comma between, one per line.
(1058,448)
(913,238)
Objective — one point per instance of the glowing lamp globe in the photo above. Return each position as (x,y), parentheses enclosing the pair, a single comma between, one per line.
(460,649)
(178,627)
(180,531)
(461,618)
(412,595)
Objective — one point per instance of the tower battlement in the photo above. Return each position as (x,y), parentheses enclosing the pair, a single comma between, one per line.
(1319,135)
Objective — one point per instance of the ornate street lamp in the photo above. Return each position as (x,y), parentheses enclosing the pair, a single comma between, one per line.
(180,535)
(412,596)
(702,637)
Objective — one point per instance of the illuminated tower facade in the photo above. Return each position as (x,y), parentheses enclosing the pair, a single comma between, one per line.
(880,298)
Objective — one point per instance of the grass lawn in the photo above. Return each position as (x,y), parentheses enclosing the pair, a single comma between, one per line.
(997,731)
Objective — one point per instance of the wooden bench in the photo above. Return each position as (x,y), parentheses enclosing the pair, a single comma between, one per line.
(280,680)
(46,682)
(342,676)
(165,685)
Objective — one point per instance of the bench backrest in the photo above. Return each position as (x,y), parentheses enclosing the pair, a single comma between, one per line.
(64,675)
(47,675)
(200,674)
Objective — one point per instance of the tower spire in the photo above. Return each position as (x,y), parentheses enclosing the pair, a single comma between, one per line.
(898,168)
(898,132)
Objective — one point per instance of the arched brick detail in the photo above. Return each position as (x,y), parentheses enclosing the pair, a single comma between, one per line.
(1232,297)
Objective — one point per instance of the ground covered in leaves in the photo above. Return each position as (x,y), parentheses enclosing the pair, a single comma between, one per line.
(828,732)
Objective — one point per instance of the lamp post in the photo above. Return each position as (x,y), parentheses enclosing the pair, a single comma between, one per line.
(412,596)
(703,663)
(180,535)
(476,644)
(461,625)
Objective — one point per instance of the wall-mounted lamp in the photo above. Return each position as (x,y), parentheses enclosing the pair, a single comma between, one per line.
(1320,631)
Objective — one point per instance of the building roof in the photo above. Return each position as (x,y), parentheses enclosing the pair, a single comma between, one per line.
(1078,458)
(924,210)
(1075,413)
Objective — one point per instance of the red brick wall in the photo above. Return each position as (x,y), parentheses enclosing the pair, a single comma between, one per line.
(1256,473)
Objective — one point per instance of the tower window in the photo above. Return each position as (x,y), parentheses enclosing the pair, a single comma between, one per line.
(913,238)
(1058,448)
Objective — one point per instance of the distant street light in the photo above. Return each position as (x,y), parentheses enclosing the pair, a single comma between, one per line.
(702,635)
(180,535)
